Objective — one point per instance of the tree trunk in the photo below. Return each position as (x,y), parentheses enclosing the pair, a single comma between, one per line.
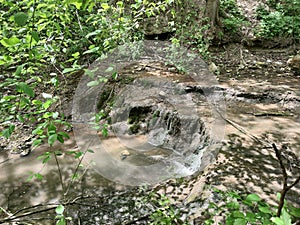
(212,12)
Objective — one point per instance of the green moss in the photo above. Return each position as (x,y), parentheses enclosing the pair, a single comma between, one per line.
(134,129)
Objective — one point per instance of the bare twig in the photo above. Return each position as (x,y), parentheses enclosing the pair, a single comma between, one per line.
(285,186)
(5,211)
(80,27)
(239,128)
(14,216)
(11,218)
(76,169)
(59,171)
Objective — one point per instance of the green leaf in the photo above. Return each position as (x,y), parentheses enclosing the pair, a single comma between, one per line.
(58,153)
(78,155)
(92,50)
(61,221)
(104,131)
(277,221)
(75,176)
(233,205)
(68,70)
(60,209)
(109,69)
(38,176)
(60,139)
(285,216)
(45,157)
(251,217)
(35,36)
(19,70)
(237,214)
(29,178)
(94,33)
(76,55)
(24,101)
(93,83)
(47,104)
(37,142)
(64,134)
(23,87)
(37,102)
(51,139)
(55,115)
(47,115)
(8,131)
(115,75)
(38,131)
(119,3)
(51,128)
(54,81)
(105,6)
(294,211)
(20,118)
(264,209)
(9,42)
(21,18)
(240,221)
(252,198)
(77,3)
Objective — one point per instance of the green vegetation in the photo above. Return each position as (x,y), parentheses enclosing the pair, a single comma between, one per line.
(60,218)
(233,19)
(190,30)
(165,213)
(279,19)
(230,208)
(249,209)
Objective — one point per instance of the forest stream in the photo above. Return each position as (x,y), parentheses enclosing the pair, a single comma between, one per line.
(261,109)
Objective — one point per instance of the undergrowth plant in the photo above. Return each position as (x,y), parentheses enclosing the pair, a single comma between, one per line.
(248,209)
(279,19)
(233,19)
(189,29)
(165,213)
(42,45)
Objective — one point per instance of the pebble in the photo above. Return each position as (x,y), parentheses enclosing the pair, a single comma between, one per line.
(124,154)
(170,189)
(213,68)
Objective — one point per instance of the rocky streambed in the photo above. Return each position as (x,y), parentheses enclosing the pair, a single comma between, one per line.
(157,116)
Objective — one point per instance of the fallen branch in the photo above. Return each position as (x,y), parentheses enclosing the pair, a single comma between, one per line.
(14,217)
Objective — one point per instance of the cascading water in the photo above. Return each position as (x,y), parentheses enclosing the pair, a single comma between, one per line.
(162,123)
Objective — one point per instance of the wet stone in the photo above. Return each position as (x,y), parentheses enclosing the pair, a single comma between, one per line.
(167,123)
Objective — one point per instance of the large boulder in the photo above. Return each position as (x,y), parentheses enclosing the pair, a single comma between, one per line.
(294,64)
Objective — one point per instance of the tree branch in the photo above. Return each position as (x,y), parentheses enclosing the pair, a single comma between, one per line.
(285,187)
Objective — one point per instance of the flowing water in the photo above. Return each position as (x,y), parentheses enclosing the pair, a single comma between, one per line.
(257,115)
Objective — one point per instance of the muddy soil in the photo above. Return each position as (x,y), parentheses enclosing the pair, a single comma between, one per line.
(263,108)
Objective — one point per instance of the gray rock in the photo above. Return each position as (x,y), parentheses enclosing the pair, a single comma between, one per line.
(167,119)
(294,64)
